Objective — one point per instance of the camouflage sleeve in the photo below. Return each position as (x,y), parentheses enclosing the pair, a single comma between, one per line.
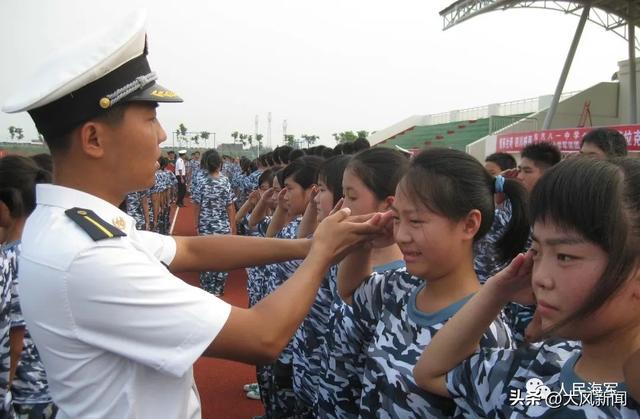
(368,301)
(230,196)
(196,194)
(478,384)
(14,308)
(518,317)
(263,226)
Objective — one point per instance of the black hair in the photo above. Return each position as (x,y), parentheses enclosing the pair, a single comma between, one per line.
(266,176)
(61,143)
(213,161)
(380,169)
(296,154)
(504,161)
(338,149)
(275,156)
(331,173)
(253,166)
(610,141)
(361,144)
(245,165)
(269,159)
(348,148)
(544,155)
(303,170)
(451,183)
(18,178)
(611,220)
(163,162)
(282,154)
(44,161)
(171,152)
(203,158)
(327,153)
(279,175)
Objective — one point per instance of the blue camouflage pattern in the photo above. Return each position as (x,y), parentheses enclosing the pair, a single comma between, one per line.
(135,208)
(309,342)
(30,385)
(493,384)
(282,400)
(197,179)
(9,264)
(256,275)
(487,262)
(385,309)
(343,357)
(214,196)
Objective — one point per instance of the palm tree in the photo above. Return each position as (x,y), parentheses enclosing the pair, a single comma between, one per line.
(290,140)
(310,139)
(205,136)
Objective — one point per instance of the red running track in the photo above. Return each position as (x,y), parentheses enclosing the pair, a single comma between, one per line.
(220,382)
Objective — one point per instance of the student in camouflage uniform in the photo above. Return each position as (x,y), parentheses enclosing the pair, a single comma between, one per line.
(369,184)
(155,209)
(309,340)
(22,366)
(170,185)
(215,214)
(397,313)
(138,208)
(299,181)
(200,174)
(582,270)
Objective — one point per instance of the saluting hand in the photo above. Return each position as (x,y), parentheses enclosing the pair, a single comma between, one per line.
(513,283)
(254,197)
(282,202)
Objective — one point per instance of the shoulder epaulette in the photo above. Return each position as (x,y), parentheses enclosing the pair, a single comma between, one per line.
(96,227)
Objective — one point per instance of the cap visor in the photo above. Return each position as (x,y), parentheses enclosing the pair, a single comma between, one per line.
(154,93)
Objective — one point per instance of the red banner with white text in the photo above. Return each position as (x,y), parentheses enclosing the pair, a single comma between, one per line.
(567,139)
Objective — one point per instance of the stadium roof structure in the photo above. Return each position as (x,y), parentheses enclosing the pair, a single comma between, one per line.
(612,15)
(618,16)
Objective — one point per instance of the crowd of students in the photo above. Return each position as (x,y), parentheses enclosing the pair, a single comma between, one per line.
(503,290)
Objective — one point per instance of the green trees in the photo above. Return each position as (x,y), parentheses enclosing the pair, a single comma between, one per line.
(16,132)
(350,136)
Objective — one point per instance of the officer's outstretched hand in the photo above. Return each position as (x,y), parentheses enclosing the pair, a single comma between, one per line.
(339,233)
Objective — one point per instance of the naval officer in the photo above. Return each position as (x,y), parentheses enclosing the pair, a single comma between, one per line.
(117,331)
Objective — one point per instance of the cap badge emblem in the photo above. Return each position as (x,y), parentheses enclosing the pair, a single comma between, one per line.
(105,103)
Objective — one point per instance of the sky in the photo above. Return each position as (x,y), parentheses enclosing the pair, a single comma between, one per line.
(323,66)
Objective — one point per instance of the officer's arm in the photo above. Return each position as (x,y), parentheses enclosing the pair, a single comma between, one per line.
(227,252)
(259,334)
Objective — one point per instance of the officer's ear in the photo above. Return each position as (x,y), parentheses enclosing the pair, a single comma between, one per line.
(92,138)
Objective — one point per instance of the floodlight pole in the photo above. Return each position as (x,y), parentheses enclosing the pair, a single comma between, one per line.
(565,70)
(633,109)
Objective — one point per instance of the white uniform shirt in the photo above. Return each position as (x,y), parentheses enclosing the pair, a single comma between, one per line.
(180,168)
(117,332)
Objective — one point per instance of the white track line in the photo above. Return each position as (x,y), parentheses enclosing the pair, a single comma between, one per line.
(173,223)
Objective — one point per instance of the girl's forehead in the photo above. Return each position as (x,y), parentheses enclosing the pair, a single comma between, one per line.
(406,204)
(549,233)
